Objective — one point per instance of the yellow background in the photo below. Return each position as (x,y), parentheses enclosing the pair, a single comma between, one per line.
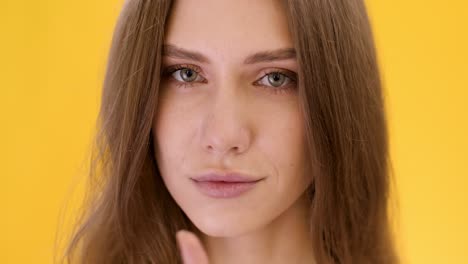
(52,62)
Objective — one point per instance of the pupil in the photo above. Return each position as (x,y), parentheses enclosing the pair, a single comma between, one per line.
(188,75)
(276,79)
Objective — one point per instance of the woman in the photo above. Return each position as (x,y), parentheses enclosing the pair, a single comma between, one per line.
(256,126)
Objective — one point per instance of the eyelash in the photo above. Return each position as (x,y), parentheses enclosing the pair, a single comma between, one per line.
(289,87)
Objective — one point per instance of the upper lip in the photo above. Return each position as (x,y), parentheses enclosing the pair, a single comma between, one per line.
(224,177)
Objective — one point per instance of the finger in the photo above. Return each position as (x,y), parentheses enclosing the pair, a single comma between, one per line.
(191,248)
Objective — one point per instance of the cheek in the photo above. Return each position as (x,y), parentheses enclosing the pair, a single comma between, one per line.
(283,138)
(283,143)
(171,127)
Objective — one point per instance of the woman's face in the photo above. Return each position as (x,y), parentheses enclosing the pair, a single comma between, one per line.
(224,109)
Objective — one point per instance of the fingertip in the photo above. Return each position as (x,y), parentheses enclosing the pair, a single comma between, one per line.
(192,250)
(184,235)
(180,237)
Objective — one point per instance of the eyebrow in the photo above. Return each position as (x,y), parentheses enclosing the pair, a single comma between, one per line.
(173,51)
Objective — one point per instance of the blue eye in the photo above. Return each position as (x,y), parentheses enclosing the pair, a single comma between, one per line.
(185,75)
(275,79)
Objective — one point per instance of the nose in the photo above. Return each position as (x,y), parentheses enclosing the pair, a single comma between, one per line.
(225,128)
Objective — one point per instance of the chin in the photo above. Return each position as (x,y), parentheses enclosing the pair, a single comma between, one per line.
(216,226)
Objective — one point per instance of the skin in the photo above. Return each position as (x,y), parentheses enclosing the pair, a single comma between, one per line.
(231,118)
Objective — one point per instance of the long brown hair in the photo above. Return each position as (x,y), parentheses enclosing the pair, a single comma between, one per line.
(132,218)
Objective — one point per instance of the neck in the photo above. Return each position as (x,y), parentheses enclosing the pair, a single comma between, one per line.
(284,240)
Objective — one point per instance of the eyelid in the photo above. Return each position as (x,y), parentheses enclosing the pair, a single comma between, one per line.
(171,69)
(290,74)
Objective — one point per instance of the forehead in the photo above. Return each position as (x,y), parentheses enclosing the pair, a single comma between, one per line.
(228,29)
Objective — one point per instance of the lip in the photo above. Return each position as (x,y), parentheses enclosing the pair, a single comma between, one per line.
(225,177)
(225,185)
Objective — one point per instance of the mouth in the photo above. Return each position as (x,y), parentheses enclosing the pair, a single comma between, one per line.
(221,189)
(228,185)
(225,177)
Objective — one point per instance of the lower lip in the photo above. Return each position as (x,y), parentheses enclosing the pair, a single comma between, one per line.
(217,189)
